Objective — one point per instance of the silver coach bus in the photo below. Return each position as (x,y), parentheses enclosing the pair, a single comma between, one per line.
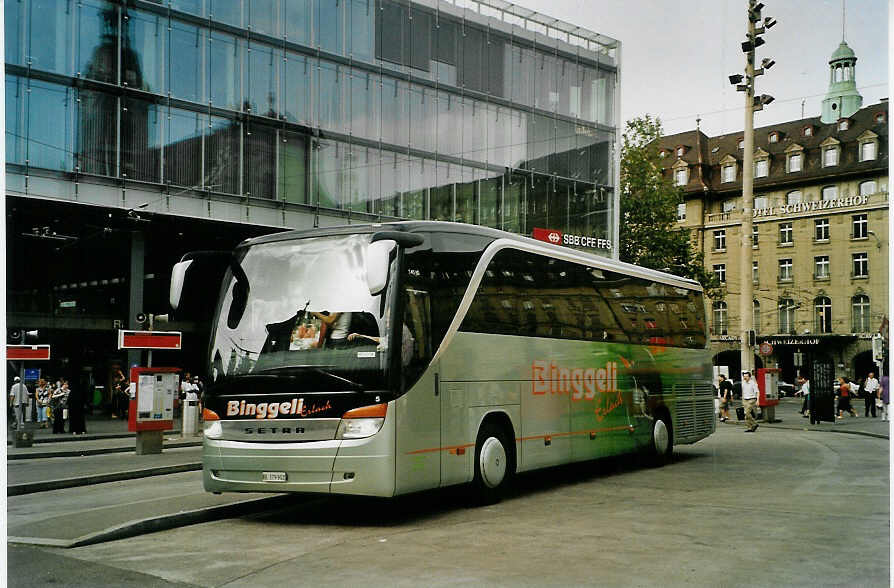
(389,358)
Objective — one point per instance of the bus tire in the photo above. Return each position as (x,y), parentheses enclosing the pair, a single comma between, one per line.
(661,441)
(493,464)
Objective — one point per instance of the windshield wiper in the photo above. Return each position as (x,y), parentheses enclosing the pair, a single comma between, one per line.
(316,368)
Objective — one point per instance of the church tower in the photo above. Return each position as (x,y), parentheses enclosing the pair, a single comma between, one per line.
(842,100)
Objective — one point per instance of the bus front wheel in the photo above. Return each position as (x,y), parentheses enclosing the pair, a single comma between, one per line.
(493,466)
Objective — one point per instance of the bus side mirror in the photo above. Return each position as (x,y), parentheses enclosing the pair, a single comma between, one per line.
(378,258)
(178,277)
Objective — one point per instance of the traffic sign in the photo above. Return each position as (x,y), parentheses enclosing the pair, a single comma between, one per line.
(27,352)
(149,339)
(765,349)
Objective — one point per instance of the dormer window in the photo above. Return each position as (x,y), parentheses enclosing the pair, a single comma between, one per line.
(681,173)
(868,145)
(794,158)
(830,149)
(807,131)
(662,154)
(680,150)
(843,124)
(729,173)
(761,164)
(740,144)
(880,118)
(773,137)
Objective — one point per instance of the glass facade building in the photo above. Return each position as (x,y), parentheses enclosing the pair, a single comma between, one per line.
(479,112)
(139,130)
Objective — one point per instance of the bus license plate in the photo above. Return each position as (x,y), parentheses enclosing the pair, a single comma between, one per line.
(274,476)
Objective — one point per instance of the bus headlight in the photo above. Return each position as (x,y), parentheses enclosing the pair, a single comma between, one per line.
(213,429)
(361,422)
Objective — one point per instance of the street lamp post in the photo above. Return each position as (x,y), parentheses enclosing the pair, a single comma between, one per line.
(752,104)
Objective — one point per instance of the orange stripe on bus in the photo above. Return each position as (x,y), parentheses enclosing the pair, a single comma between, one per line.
(453,449)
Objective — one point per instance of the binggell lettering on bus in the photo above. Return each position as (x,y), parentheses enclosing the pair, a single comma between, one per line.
(599,384)
(272,410)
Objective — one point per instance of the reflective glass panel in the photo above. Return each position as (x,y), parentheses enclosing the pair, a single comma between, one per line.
(361,29)
(467,197)
(190,6)
(262,17)
(227,11)
(14,31)
(259,162)
(97,129)
(15,117)
(489,201)
(51,39)
(263,62)
(327,173)
(225,70)
(449,129)
(329,97)
(513,203)
(50,132)
(183,148)
(328,17)
(364,105)
(222,155)
(143,54)
(141,140)
(297,17)
(185,61)
(474,130)
(296,88)
(293,167)
(97,41)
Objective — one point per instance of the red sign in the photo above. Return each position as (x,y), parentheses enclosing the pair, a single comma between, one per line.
(149,339)
(549,235)
(765,349)
(27,352)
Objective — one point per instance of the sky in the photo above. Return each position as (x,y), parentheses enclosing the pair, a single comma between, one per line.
(676,56)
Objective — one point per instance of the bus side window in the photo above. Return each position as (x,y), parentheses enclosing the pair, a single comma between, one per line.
(417,352)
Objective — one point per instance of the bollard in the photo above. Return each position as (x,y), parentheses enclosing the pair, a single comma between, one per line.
(190,418)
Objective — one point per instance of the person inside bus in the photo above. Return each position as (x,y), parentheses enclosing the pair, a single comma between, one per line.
(334,329)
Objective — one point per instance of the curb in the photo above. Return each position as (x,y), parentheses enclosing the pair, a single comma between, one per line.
(161,523)
(99,451)
(94,437)
(822,430)
(47,485)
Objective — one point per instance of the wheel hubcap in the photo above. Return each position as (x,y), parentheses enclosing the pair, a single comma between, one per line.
(492,462)
(661,437)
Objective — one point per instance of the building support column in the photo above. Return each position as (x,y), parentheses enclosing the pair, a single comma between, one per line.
(135,284)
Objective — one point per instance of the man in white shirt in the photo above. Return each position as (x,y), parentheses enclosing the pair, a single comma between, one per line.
(749,401)
(19,395)
(870,390)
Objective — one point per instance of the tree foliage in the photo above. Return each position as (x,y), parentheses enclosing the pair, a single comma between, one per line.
(649,235)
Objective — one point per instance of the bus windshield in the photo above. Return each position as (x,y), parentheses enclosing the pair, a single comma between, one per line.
(304,312)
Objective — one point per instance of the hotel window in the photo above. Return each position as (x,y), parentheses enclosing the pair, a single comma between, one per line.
(720,240)
(761,168)
(761,202)
(860,226)
(720,320)
(741,144)
(681,211)
(729,173)
(861,265)
(843,124)
(774,137)
(793,197)
(754,273)
(868,187)
(756,316)
(821,267)
(822,313)
(787,316)
(860,312)
(868,150)
(681,177)
(679,152)
(821,229)
(786,235)
(808,131)
(830,192)
(720,272)
(785,270)
(830,156)
(755,235)
(794,162)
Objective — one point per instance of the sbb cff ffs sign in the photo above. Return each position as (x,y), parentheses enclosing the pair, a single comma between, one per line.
(557,237)
(149,339)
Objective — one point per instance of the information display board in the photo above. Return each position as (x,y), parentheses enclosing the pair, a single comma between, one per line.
(152,400)
(767,386)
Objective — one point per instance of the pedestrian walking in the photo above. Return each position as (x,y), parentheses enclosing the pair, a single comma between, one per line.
(749,401)
(43,400)
(870,394)
(883,397)
(726,397)
(18,393)
(77,424)
(844,397)
(805,392)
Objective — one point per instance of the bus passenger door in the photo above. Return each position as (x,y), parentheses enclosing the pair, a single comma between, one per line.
(418,434)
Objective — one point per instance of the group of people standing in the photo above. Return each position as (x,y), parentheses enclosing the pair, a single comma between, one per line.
(48,402)
(873,392)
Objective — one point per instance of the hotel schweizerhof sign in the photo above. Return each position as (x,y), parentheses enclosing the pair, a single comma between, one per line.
(850,201)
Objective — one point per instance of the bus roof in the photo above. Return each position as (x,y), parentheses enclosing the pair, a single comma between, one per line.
(417,226)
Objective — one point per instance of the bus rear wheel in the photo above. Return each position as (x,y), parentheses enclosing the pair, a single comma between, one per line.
(661,444)
(493,464)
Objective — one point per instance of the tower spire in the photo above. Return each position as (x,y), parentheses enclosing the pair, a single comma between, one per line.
(843,18)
